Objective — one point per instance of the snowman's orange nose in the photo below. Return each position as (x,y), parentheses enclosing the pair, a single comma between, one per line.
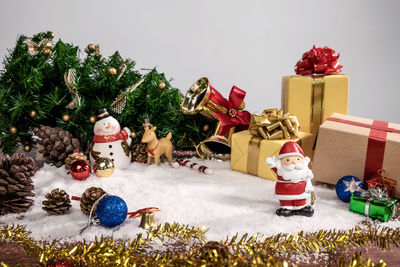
(108,126)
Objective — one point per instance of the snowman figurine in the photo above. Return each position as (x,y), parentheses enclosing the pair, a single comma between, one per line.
(109,141)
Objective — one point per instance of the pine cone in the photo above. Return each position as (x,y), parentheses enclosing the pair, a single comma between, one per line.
(57,202)
(56,144)
(89,197)
(16,183)
(72,158)
(139,153)
(221,249)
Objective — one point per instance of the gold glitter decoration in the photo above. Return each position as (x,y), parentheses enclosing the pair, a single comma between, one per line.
(243,251)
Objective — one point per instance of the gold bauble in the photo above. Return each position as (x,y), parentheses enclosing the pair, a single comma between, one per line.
(92,119)
(27,148)
(65,117)
(52,34)
(47,51)
(103,167)
(48,45)
(206,127)
(91,47)
(13,130)
(32,114)
(161,85)
(112,71)
(133,135)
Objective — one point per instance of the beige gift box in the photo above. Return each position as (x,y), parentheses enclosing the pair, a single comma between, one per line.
(359,150)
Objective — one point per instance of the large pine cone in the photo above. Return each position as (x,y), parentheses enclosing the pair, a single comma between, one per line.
(57,202)
(89,197)
(56,144)
(16,183)
(138,152)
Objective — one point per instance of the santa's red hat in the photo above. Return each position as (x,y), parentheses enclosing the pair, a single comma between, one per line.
(291,149)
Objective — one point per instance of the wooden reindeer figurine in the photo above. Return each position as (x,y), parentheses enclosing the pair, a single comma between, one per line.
(156,148)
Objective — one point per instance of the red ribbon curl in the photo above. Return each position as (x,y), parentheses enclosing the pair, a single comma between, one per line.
(234,117)
(321,60)
(141,211)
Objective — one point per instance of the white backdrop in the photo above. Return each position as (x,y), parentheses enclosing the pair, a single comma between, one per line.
(251,44)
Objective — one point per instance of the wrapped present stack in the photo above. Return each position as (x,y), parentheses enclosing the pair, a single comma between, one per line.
(314,114)
(308,99)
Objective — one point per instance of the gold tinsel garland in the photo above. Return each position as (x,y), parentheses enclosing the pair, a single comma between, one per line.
(243,251)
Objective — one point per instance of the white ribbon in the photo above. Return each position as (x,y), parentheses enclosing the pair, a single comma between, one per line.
(366,211)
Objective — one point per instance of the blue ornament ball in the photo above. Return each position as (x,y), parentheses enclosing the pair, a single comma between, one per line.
(348,185)
(111,211)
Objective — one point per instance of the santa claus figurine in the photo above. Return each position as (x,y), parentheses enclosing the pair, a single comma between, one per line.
(293,188)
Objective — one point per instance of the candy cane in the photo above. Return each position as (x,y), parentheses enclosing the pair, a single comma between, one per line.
(192,165)
(181,154)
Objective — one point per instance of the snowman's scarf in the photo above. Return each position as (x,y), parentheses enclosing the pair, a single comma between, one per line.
(122,135)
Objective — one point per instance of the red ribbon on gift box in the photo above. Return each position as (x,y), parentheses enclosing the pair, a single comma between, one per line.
(376,143)
(234,117)
(321,60)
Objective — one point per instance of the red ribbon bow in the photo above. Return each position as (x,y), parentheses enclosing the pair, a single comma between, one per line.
(122,135)
(234,117)
(321,60)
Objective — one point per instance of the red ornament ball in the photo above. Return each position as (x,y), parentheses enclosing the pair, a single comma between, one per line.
(62,263)
(80,169)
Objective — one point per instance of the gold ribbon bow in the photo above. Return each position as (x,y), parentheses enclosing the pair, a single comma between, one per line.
(34,48)
(118,105)
(70,81)
(273,124)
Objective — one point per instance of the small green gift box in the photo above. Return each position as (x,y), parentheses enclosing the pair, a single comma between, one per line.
(380,209)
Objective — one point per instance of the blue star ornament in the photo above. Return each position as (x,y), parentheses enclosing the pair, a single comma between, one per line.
(348,186)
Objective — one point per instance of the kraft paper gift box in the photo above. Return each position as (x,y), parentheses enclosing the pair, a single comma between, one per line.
(349,145)
(248,153)
(314,98)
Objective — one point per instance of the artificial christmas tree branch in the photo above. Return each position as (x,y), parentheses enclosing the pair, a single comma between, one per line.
(33,92)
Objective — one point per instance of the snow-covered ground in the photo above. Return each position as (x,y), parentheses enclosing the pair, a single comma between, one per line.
(227,202)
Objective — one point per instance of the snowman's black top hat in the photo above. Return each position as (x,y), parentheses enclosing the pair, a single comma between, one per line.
(102,114)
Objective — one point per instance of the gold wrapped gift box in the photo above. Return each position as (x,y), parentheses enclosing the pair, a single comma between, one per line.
(249,153)
(266,135)
(314,98)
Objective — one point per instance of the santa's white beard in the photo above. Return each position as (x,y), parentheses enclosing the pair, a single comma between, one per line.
(293,172)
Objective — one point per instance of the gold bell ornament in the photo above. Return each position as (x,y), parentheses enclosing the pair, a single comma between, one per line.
(148,220)
(214,148)
(204,99)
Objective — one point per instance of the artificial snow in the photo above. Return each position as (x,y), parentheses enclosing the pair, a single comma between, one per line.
(226,202)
